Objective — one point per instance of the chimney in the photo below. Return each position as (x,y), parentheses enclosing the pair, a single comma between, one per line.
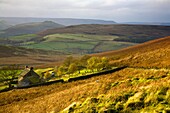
(31,68)
(26,67)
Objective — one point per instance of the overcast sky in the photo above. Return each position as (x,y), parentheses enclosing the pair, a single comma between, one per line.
(116,10)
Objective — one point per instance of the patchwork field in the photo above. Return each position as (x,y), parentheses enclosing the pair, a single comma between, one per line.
(83,39)
(79,43)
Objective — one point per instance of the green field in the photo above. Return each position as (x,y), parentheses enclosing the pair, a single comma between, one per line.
(23,37)
(78,37)
(77,43)
(68,43)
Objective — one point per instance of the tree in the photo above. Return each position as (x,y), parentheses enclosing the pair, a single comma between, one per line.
(99,66)
(72,68)
(98,63)
(8,74)
(91,63)
(47,75)
(84,60)
(61,70)
(105,62)
(68,61)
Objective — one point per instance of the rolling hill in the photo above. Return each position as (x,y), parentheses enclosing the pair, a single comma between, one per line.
(63,21)
(126,33)
(4,25)
(131,90)
(17,55)
(29,28)
(80,39)
(148,23)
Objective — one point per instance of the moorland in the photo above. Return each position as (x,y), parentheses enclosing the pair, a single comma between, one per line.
(137,88)
(143,85)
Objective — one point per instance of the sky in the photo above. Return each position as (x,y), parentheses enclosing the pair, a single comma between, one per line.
(116,10)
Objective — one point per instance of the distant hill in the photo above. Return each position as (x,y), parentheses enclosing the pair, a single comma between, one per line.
(4,25)
(63,21)
(154,53)
(148,23)
(29,28)
(126,33)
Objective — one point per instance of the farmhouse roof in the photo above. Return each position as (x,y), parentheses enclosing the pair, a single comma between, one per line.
(28,72)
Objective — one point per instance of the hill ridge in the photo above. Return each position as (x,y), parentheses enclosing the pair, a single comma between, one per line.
(126,33)
(29,28)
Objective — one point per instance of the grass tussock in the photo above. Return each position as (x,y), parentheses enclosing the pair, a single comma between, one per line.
(146,96)
(119,91)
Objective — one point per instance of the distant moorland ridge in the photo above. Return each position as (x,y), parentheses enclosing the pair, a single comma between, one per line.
(63,21)
(127,33)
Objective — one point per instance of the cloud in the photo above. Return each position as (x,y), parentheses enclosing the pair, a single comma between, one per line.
(119,10)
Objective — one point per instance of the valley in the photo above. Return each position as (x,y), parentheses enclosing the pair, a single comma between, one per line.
(141,87)
(80,39)
(98,67)
(91,56)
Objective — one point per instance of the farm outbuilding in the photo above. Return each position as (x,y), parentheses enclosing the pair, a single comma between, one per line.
(28,77)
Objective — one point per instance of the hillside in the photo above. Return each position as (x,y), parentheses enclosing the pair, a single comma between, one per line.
(126,33)
(154,53)
(148,23)
(29,28)
(63,21)
(4,25)
(133,89)
(22,56)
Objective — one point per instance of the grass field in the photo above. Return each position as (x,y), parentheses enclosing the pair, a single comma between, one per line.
(79,43)
(68,43)
(63,46)
(78,37)
(22,37)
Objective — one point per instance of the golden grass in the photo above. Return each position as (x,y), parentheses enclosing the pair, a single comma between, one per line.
(59,96)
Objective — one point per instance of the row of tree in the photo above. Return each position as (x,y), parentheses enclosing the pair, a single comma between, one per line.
(72,65)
